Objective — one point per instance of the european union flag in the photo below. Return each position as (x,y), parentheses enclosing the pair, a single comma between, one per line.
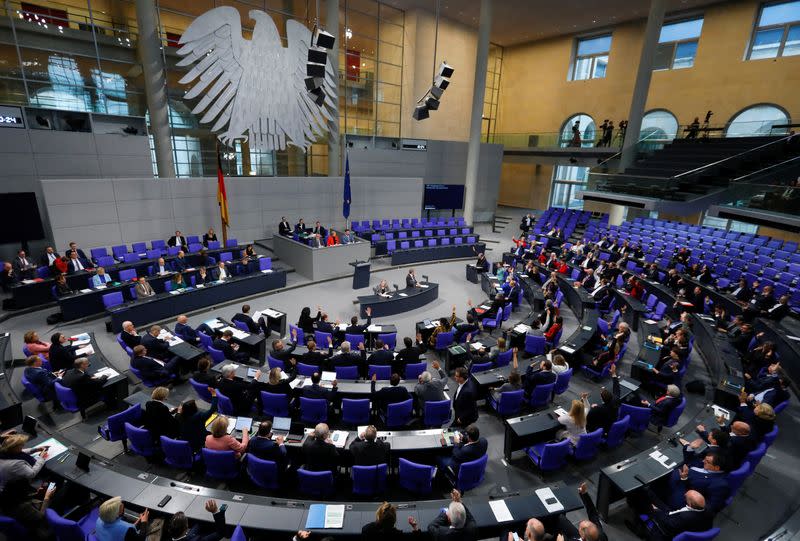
(346,195)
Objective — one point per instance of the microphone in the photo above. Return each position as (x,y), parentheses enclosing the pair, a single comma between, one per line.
(396,288)
(426,278)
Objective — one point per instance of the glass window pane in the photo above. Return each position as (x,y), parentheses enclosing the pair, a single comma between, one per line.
(390,74)
(388,129)
(388,93)
(390,53)
(659,125)
(766,43)
(681,30)
(560,196)
(755,121)
(792,45)
(663,57)
(388,112)
(597,45)
(361,24)
(600,65)
(586,131)
(780,13)
(391,33)
(582,68)
(684,55)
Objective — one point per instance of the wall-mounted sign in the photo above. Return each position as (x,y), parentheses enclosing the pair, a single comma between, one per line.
(11,117)
(414,144)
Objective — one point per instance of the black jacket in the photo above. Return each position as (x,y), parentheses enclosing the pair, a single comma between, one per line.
(193,429)
(319,455)
(225,347)
(86,388)
(159,421)
(131,340)
(532,378)
(156,347)
(464,452)
(266,449)
(440,530)
(149,368)
(369,453)
(381,357)
(464,404)
(62,357)
(240,394)
(173,241)
(604,415)
(317,391)
(390,394)
(210,379)
(252,326)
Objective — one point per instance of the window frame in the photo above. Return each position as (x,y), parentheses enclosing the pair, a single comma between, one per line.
(676,43)
(756,29)
(593,57)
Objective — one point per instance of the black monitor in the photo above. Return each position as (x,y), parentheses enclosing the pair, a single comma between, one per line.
(444,196)
(20,219)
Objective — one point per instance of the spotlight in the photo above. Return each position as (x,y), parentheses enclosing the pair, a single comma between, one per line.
(431,103)
(421,112)
(318,56)
(313,82)
(323,39)
(318,96)
(445,69)
(436,92)
(441,82)
(315,70)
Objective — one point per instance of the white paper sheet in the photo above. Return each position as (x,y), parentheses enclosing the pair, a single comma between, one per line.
(88,350)
(500,510)
(55,448)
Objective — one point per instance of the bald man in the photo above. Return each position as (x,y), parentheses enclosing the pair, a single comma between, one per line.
(534,531)
(588,529)
(187,333)
(691,517)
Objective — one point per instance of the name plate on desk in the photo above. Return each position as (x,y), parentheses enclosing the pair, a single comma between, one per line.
(549,500)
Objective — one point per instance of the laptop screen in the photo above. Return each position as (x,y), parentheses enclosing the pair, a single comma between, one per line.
(281,423)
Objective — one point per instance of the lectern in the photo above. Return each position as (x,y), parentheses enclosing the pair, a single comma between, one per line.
(360,274)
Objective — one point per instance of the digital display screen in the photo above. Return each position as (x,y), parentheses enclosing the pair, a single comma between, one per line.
(20,219)
(444,196)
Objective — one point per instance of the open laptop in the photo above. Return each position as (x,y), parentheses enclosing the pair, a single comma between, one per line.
(291,431)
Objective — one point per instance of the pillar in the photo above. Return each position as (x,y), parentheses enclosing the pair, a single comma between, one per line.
(155,85)
(642,85)
(478,91)
(334,141)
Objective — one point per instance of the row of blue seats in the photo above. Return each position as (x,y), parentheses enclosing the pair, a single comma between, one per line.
(158,248)
(392,245)
(375,237)
(405,223)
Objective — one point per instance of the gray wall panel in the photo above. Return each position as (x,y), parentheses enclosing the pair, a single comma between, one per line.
(122,145)
(144,209)
(63,143)
(75,215)
(66,166)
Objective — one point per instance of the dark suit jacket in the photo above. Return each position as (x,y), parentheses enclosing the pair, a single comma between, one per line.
(325,326)
(210,379)
(389,395)
(668,526)
(319,455)
(440,530)
(266,449)
(73,268)
(316,358)
(571,532)
(464,404)
(16,264)
(44,261)
(381,357)
(604,415)
(62,357)
(409,355)
(240,394)
(42,379)
(714,486)
(193,429)
(86,389)
(186,333)
(159,421)
(179,265)
(225,347)
(659,411)
(252,326)
(173,241)
(284,228)
(369,453)
(208,238)
(532,378)
(410,281)
(156,347)
(464,452)
(285,353)
(358,329)
(150,369)
(317,391)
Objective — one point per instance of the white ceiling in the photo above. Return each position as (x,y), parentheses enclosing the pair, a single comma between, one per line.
(520,21)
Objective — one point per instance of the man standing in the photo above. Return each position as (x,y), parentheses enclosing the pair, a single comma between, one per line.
(411,279)
(464,401)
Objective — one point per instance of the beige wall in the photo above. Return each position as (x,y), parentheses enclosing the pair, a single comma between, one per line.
(525,185)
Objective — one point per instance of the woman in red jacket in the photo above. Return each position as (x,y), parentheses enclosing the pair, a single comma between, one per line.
(635,288)
(333,238)
(554,329)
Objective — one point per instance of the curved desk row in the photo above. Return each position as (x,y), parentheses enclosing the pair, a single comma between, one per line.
(165,305)
(398,302)
(436,253)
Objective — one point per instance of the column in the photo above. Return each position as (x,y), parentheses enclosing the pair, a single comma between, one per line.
(478,91)
(155,85)
(334,146)
(642,86)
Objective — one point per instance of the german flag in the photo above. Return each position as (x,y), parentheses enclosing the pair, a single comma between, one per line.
(222,198)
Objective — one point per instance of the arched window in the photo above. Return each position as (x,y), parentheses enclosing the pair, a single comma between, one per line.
(659,125)
(586,129)
(757,120)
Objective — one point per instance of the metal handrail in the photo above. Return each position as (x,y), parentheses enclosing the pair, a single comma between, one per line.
(708,165)
(620,152)
(767,168)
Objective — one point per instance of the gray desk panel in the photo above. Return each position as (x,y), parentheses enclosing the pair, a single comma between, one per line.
(320,263)
(197,510)
(280,518)
(180,500)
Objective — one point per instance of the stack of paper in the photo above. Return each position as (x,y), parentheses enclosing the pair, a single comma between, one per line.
(106,371)
(86,350)
(214,323)
(560,411)
(81,339)
(237,333)
(662,459)
(101,286)
(422,285)
(500,510)
(374,328)
(477,345)
(272,313)
(175,292)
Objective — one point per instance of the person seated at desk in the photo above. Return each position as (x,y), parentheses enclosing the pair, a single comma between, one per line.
(203,374)
(555,328)
(284,227)
(382,288)
(634,288)
(283,351)
(48,257)
(319,453)
(220,272)
(179,264)
(382,355)
(112,525)
(178,283)
(468,327)
(456,523)
(520,245)
(611,345)
(741,340)
(202,277)
(411,279)
(209,236)
(177,240)
(663,406)
(550,286)
(153,369)
(39,377)
(300,227)
(315,390)
(252,326)
(384,526)
(668,522)
(157,347)
(62,288)
(705,275)
(319,230)
(229,348)
(468,447)
(514,383)
(61,266)
(161,267)
(24,266)
(367,450)
(774,395)
(347,357)
(355,327)
(574,421)
(760,303)
(245,266)
(192,421)
(130,335)
(316,241)
(101,278)
(8,277)
(333,239)
(157,417)
(184,331)
(779,310)
(275,384)
(315,357)
(590,281)
(241,393)
(411,350)
(765,381)
(249,251)
(392,394)
(709,480)
(560,364)
(263,446)
(306,322)
(62,355)
(323,325)
(178,527)
(541,375)
(606,413)
(220,440)
(715,441)
(87,389)
(76,264)
(741,291)
(35,345)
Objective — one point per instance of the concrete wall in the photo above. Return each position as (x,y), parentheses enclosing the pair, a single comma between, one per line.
(104,212)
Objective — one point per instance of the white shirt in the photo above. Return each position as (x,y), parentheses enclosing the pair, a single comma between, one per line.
(686,508)
(223,273)
(178,241)
(78,264)
(51,258)
(458,390)
(597,289)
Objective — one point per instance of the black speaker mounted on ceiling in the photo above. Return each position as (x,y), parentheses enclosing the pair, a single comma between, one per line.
(432,98)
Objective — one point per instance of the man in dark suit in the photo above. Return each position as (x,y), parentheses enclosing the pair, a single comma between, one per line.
(709,480)
(87,389)
(252,326)
(221,271)
(73,247)
(669,522)
(411,279)
(367,450)
(323,325)
(779,392)
(473,448)
(315,390)
(177,239)
(779,310)
(392,394)
(464,399)
(319,454)
(355,328)
(382,355)
(604,415)
(240,393)
(716,441)
(179,264)
(187,333)
(411,352)
(130,335)
(283,351)
(284,228)
(316,357)
(8,277)
(470,326)
(454,524)
(227,346)
(76,263)
(153,369)
(347,357)
(49,257)
(263,447)
(300,227)
(590,529)
(157,347)
(319,230)
(179,526)
(534,377)
(663,406)
(39,377)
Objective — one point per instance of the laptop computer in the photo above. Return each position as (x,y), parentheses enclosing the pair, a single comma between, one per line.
(290,430)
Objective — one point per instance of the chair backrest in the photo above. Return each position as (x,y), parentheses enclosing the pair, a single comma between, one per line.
(141,441)
(300,335)
(504,358)
(231,243)
(130,258)
(616,434)
(64,529)
(443,339)
(33,389)
(158,244)
(105,261)
(510,402)
(356,411)
(127,274)
(139,248)
(413,370)
(321,338)
(541,395)
(769,437)
(736,478)
(698,536)
(67,398)
(480,367)
(588,445)
(390,339)
(381,371)
(437,413)
(220,464)
(241,325)
(217,355)
(272,362)
(354,340)
(264,473)
(306,369)
(274,404)
(315,483)
(116,422)
(313,410)
(177,453)
(112,299)
(119,250)
(346,372)
(96,253)
(224,404)
(640,417)
(214,245)
(471,474)
(602,326)
(674,415)
(205,340)
(399,413)
(562,381)
(264,263)
(415,477)
(534,345)
(369,480)
(755,456)
(554,455)
(201,389)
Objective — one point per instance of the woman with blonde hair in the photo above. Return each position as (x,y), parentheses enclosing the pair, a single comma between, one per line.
(763,420)
(220,440)
(112,526)
(35,345)
(575,421)
(559,364)
(384,525)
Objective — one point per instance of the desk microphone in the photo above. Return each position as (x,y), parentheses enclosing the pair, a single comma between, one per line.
(426,278)
(396,288)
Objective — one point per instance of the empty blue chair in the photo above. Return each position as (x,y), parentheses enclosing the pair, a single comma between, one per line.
(306,369)
(347,372)
(313,410)
(226,256)
(158,245)
(780,407)
(598,375)
(391,245)
(755,456)
(471,474)
(217,355)
(736,480)
(221,464)
(139,248)
(504,358)
(205,340)
(534,345)
(675,414)
(480,367)
(416,478)
(105,261)
(114,429)
(541,395)
(698,536)
(418,244)
(97,253)
(67,398)
(112,299)
(130,258)
(769,437)
(264,263)
(381,371)
(224,404)
(458,240)
(413,370)
(195,247)
(588,445)
(399,414)
(119,251)
(201,389)
(562,381)
(354,340)
(70,530)
(12,529)
(263,473)
(436,413)
(549,456)
(274,404)
(275,363)
(445,241)
(617,432)
(152,254)
(510,403)
(321,338)
(231,243)
(140,440)
(214,245)
(356,412)
(124,346)
(443,340)
(127,274)
(369,480)
(241,325)
(640,417)
(42,272)
(178,453)
(496,323)
(318,484)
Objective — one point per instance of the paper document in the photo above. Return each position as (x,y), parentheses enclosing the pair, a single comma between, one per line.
(322,516)
(403,294)
(272,313)
(214,323)
(106,371)
(87,290)
(88,350)
(237,333)
(521,328)
(175,292)
(567,349)
(55,448)
(266,271)
(374,328)
(721,412)
(27,281)
(334,516)
(500,510)
(477,345)
(199,286)
(422,285)
(101,286)
(795,338)
(339,438)
(560,411)
(662,459)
